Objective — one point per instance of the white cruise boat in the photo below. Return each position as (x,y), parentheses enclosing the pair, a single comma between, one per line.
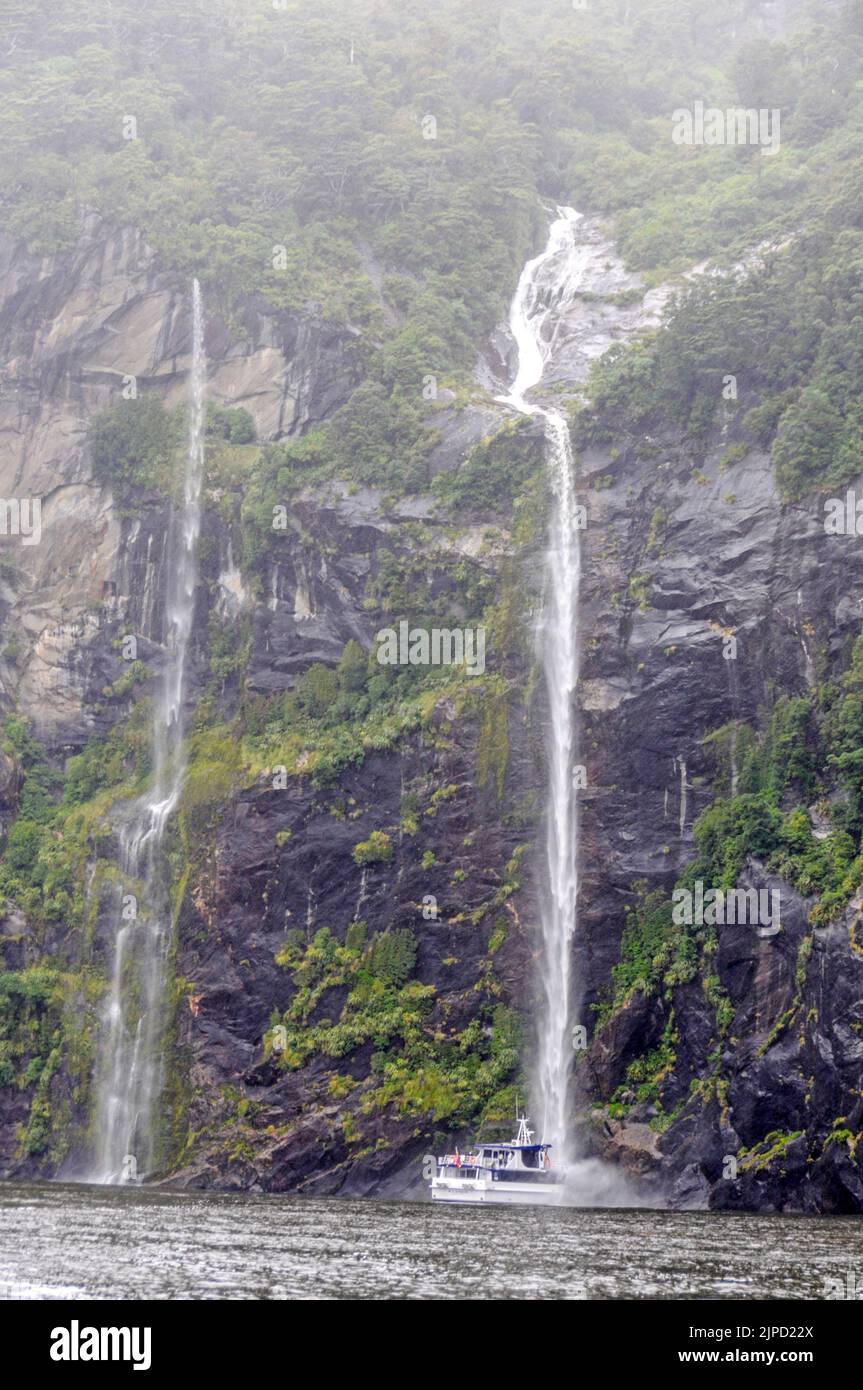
(507,1174)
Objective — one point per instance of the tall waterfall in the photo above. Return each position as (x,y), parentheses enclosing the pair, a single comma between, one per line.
(546,288)
(130,1069)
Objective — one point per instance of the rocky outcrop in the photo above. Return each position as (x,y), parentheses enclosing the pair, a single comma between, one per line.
(280,861)
(678,560)
(80,331)
(264,862)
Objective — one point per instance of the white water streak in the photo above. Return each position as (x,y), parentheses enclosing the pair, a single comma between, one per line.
(547,287)
(130,1071)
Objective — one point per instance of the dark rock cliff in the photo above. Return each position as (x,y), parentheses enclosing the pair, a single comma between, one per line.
(717,555)
(675,558)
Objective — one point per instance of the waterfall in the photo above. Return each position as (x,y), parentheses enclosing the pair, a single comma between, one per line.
(545,290)
(135,1016)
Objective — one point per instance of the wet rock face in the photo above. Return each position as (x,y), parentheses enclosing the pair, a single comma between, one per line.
(270,861)
(677,562)
(282,861)
(313,596)
(77,329)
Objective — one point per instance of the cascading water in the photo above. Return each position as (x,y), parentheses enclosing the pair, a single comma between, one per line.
(545,290)
(130,1071)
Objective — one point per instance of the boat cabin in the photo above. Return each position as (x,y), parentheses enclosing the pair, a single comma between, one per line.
(521,1157)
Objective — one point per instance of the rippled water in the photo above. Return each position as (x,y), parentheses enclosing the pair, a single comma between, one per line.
(59,1241)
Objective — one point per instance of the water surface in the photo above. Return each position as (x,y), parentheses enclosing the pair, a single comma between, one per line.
(76,1242)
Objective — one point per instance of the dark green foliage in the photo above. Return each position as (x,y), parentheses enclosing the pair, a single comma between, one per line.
(16,733)
(784,759)
(646,937)
(814,866)
(392,956)
(843,726)
(232,423)
(86,774)
(790,332)
(132,444)
(277,170)
(279,472)
(355,936)
(415,1067)
(728,832)
(43,853)
(43,1032)
(377,849)
(229,644)
(334,708)
(316,690)
(380,438)
(22,846)
(353,668)
(29,1045)
(812,748)
(492,476)
(792,747)
(404,585)
(808,747)
(36,802)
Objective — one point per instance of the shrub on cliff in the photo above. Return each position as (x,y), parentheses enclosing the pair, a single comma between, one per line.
(377,849)
(230,422)
(132,445)
(392,956)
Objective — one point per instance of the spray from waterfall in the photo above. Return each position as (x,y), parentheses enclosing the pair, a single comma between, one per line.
(129,1076)
(545,290)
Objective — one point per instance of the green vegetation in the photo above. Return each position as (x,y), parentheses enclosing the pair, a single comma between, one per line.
(809,748)
(377,849)
(493,474)
(769,1150)
(387,202)
(788,333)
(335,715)
(329,721)
(252,151)
(43,864)
(419,1067)
(645,1077)
(765,822)
(642,952)
(231,423)
(43,1031)
(132,446)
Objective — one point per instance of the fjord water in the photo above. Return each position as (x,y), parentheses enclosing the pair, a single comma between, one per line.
(545,291)
(130,1048)
(59,1241)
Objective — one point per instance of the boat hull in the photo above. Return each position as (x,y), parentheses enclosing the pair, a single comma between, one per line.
(510,1194)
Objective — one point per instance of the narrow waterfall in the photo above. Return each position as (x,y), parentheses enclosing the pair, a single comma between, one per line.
(130,1067)
(545,290)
